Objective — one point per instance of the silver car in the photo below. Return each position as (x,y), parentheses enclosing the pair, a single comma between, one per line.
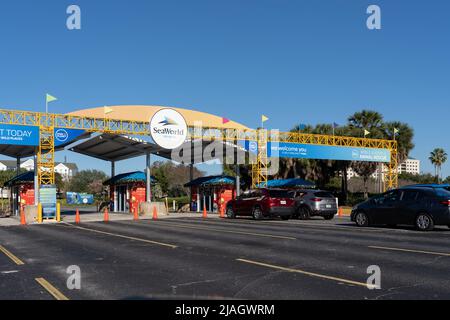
(309,203)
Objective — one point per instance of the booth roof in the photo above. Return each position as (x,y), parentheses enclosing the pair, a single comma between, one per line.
(27,177)
(287,183)
(137,176)
(212,180)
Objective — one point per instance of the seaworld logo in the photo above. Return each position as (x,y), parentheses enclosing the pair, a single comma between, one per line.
(168,128)
(168,122)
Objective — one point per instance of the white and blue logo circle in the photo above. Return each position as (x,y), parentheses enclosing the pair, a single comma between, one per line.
(61,135)
(253,146)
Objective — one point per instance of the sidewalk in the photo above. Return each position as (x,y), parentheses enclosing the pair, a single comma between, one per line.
(8,222)
(93,217)
(98,216)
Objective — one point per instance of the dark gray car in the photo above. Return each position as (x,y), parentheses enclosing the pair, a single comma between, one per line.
(309,203)
(421,206)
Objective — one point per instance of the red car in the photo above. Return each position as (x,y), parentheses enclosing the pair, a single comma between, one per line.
(261,203)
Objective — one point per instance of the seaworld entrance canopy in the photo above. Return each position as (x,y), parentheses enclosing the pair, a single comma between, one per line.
(120,132)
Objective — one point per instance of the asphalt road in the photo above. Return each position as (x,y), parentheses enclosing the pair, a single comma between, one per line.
(235,259)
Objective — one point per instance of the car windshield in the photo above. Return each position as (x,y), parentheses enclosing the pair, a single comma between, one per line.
(323,194)
(280,194)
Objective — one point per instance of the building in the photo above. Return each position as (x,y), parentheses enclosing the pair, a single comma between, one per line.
(66,169)
(410,166)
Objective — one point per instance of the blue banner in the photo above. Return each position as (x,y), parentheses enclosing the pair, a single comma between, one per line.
(309,151)
(19,135)
(79,198)
(66,136)
(47,197)
(247,145)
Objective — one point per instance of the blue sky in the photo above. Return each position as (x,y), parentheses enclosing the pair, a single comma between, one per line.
(295,61)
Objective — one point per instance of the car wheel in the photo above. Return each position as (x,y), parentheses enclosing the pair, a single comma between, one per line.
(424,222)
(303,213)
(329,217)
(230,213)
(257,213)
(361,219)
(285,218)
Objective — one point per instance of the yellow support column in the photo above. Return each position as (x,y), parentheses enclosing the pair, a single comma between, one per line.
(39,213)
(58,212)
(391,178)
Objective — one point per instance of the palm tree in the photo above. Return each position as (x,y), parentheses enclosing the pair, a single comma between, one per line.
(373,122)
(366,120)
(438,157)
(404,138)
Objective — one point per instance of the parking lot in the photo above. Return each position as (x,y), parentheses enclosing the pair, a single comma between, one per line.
(222,258)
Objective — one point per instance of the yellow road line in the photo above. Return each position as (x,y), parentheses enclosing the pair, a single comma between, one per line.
(11,256)
(230,231)
(58,295)
(126,237)
(411,250)
(311,274)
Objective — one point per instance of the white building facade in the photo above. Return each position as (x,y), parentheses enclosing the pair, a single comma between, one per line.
(410,166)
(66,169)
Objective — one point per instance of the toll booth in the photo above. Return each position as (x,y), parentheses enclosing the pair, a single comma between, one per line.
(128,191)
(22,191)
(212,192)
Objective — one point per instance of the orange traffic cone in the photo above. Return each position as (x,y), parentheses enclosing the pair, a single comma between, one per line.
(136,216)
(222,211)
(23,222)
(77,217)
(340,212)
(155,213)
(106,215)
(205,214)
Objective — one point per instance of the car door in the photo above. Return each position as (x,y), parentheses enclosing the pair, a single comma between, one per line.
(255,196)
(408,206)
(240,203)
(246,205)
(386,207)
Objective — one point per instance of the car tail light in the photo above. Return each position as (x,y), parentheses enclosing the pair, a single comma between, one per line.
(445,202)
(316,199)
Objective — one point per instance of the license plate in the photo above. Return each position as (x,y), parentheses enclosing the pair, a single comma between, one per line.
(283,202)
(328,205)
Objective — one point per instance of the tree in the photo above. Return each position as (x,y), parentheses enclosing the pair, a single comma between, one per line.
(172,177)
(59,181)
(88,181)
(366,120)
(404,138)
(438,157)
(371,121)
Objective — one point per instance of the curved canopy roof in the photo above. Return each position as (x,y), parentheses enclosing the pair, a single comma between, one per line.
(129,177)
(290,183)
(212,181)
(145,113)
(27,177)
